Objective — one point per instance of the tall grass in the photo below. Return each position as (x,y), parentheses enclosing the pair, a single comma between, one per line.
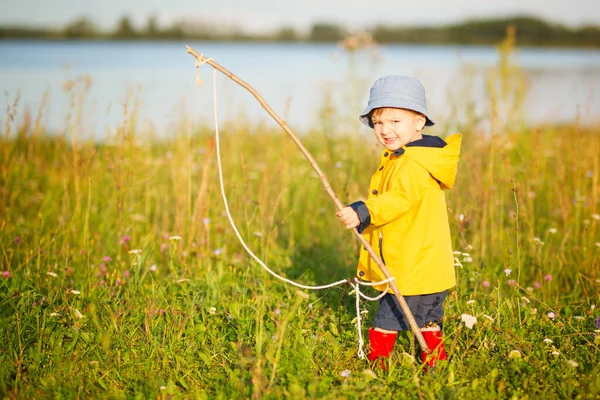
(122,277)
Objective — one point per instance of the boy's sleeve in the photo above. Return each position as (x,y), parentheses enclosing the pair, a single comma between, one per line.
(364,217)
(404,192)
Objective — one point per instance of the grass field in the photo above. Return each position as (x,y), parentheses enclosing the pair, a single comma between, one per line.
(122,277)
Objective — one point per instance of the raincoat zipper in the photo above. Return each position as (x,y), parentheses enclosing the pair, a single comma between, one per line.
(381,247)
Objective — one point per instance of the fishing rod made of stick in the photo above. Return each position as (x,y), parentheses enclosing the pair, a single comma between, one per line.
(201,59)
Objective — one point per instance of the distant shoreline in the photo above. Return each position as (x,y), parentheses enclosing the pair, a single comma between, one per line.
(530,32)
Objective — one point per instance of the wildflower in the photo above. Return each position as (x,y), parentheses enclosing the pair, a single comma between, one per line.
(75,291)
(174,238)
(457,253)
(467,259)
(163,247)
(106,259)
(534,310)
(469,247)
(18,240)
(538,241)
(126,274)
(507,271)
(511,282)
(345,373)
(469,320)
(153,268)
(6,274)
(461,217)
(514,354)
(218,252)
(212,310)
(597,244)
(537,285)
(525,300)
(338,164)
(471,302)
(548,278)
(572,363)
(555,353)
(126,239)
(163,388)
(54,314)
(592,306)
(596,217)
(552,230)
(51,274)
(549,341)
(486,284)
(529,289)
(206,221)
(551,315)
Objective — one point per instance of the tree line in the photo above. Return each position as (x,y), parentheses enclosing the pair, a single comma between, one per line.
(531,31)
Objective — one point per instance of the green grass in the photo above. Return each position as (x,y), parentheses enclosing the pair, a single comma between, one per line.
(82,315)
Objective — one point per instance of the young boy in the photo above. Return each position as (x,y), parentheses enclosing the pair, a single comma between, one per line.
(405,215)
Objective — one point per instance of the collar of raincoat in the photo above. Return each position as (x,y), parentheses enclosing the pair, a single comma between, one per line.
(440,162)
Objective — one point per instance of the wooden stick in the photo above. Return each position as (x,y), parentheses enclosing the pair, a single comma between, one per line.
(411,320)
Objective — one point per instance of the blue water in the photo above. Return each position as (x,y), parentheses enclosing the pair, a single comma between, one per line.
(158,79)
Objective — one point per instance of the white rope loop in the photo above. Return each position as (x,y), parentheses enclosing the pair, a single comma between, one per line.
(355,283)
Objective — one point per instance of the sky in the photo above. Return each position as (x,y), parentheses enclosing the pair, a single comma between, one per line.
(264,15)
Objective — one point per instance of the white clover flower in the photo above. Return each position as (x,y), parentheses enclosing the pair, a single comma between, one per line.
(212,310)
(552,230)
(457,253)
(471,302)
(75,291)
(549,341)
(514,354)
(153,267)
(51,274)
(555,353)
(572,363)
(469,320)
(135,251)
(175,238)
(54,314)
(551,315)
(525,300)
(507,271)
(345,373)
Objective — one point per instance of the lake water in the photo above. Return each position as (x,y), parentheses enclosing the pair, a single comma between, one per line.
(295,79)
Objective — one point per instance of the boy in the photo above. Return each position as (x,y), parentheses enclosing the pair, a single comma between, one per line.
(405,215)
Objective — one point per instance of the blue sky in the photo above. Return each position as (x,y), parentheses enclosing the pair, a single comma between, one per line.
(258,15)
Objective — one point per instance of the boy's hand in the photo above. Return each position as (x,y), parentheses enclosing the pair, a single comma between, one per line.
(349,217)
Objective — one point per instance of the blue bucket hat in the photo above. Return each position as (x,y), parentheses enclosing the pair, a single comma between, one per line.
(396,91)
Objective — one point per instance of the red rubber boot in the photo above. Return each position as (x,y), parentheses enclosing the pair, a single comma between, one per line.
(433,339)
(381,344)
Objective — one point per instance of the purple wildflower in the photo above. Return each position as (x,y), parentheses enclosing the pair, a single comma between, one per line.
(18,240)
(106,259)
(163,247)
(548,278)
(486,284)
(126,239)
(536,285)
(126,274)
(6,274)
(511,282)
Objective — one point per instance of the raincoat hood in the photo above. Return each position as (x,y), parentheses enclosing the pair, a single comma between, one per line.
(440,162)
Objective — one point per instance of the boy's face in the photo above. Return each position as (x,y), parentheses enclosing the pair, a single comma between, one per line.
(395,127)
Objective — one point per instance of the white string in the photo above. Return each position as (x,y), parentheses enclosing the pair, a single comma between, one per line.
(357,282)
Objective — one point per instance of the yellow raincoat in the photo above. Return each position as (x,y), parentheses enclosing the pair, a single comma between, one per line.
(409,220)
